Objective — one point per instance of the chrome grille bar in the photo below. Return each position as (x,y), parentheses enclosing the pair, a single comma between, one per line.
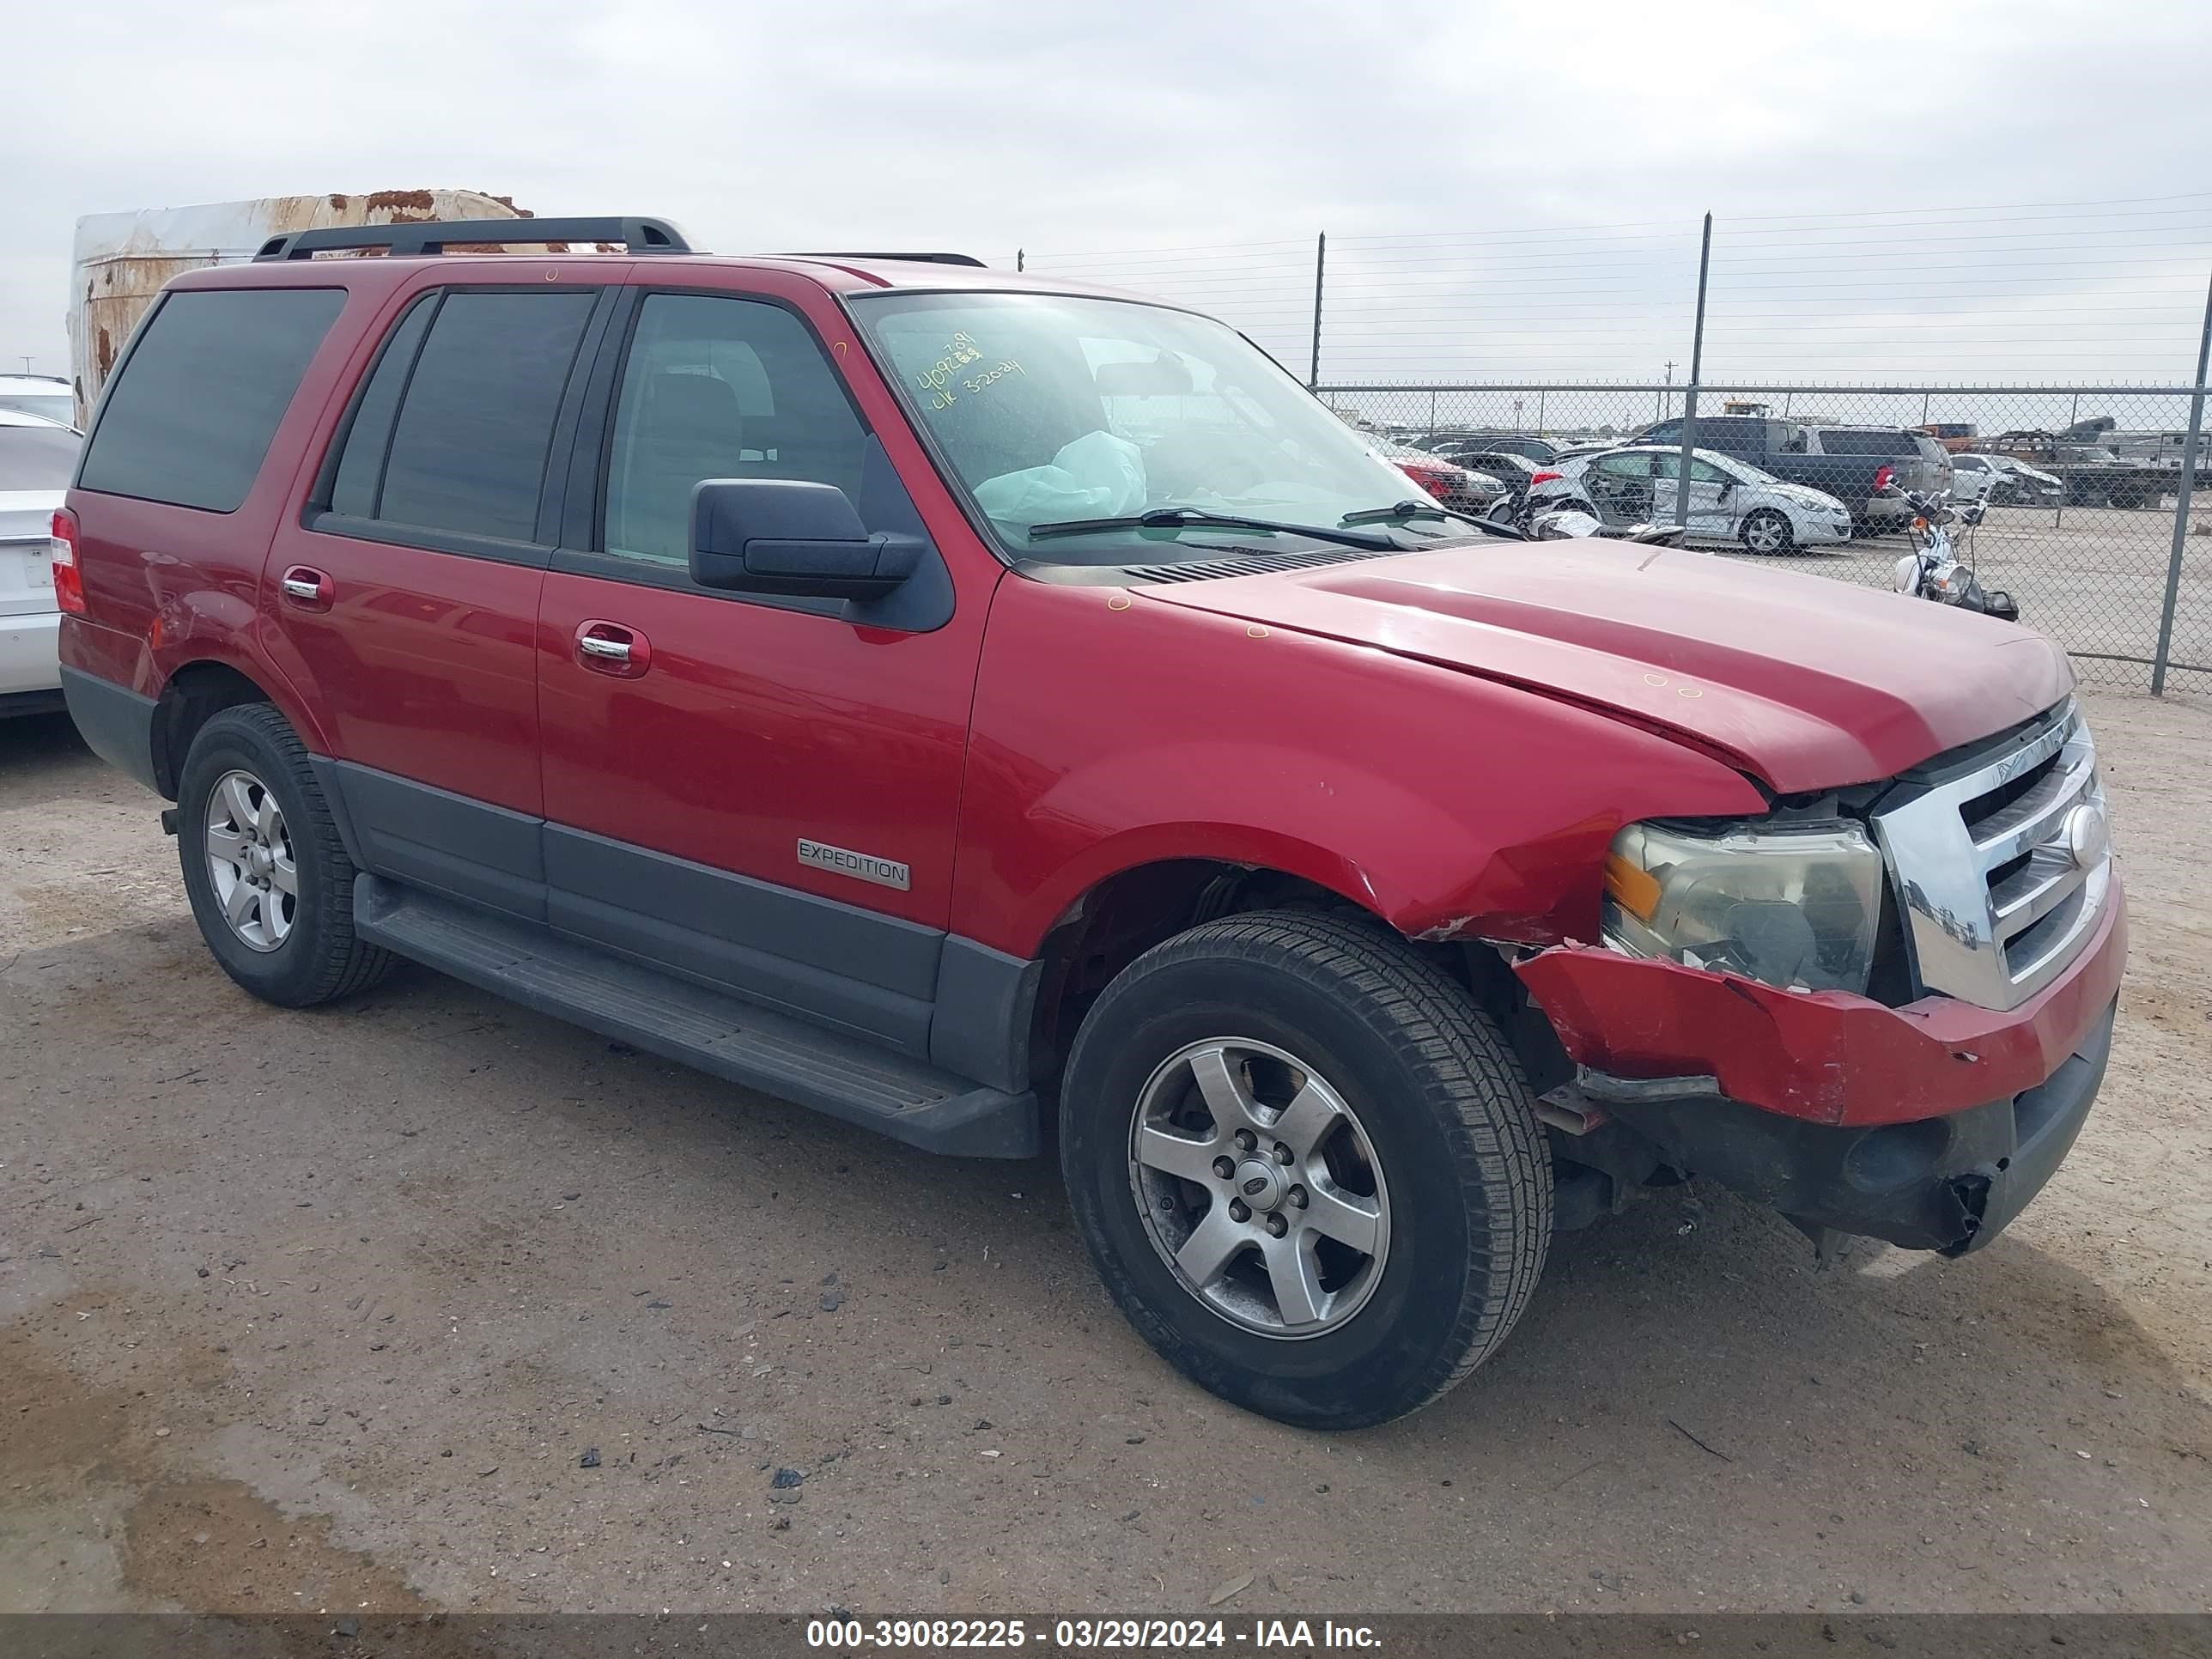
(1982,925)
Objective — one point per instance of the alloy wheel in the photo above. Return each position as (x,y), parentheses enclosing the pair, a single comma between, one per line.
(250,861)
(1259,1187)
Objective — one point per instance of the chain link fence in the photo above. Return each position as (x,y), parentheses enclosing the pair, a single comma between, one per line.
(2083,486)
(1450,340)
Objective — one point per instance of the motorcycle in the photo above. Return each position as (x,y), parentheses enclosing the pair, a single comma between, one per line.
(1934,571)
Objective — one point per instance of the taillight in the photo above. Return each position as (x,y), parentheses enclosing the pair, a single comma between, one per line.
(68,580)
(1535,479)
(1435,480)
(1883,477)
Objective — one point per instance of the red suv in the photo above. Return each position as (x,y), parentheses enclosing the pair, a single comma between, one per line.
(956,702)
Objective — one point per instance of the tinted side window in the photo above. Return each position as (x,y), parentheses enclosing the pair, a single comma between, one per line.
(468,452)
(719,388)
(1841,441)
(190,418)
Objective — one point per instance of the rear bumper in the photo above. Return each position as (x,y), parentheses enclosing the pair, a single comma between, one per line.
(1949,1183)
(29,660)
(116,724)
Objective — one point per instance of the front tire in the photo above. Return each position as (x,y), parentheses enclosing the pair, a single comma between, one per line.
(1386,1203)
(1767,533)
(270,882)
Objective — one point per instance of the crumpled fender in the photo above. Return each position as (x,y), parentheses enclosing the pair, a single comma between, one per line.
(1825,1056)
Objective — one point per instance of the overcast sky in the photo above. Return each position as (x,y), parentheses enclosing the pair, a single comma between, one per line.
(1964,190)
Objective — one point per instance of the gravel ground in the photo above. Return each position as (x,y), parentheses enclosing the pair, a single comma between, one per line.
(2092,578)
(429,1302)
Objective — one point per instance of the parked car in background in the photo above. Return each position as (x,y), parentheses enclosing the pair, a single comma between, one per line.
(1730,501)
(37,460)
(1457,446)
(1516,474)
(1973,478)
(1462,488)
(45,395)
(2019,484)
(1866,468)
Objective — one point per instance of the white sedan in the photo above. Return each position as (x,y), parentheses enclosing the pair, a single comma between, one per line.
(37,457)
(1730,501)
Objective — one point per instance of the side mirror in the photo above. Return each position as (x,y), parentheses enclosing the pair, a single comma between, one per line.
(1727,488)
(788,536)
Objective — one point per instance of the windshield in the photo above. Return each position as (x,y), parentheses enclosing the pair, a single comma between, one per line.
(1051,409)
(40,458)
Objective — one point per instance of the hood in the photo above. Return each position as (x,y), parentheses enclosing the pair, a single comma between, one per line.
(1805,682)
(1804,495)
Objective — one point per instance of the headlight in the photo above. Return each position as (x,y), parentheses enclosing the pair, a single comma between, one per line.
(1794,907)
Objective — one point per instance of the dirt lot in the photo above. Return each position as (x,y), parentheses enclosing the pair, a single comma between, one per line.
(2092,578)
(331,1310)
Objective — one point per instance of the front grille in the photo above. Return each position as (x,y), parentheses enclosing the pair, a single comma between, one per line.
(2000,863)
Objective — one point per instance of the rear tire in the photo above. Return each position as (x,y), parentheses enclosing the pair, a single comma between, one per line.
(1767,533)
(269,881)
(1412,1185)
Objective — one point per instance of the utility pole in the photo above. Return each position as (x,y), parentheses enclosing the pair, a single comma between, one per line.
(1020,256)
(1666,399)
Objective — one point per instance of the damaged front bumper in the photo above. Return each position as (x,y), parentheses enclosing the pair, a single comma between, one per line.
(1930,1125)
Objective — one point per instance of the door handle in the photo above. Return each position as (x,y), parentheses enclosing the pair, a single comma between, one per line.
(608,647)
(306,588)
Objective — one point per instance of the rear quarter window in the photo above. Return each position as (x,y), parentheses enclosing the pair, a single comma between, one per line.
(188,419)
(1841,442)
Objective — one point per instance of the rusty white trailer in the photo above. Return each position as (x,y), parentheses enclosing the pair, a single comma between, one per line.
(122,259)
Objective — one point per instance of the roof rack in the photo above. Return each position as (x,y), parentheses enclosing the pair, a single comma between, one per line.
(639,235)
(923,258)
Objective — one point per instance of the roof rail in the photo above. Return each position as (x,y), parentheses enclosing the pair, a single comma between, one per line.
(639,235)
(923,258)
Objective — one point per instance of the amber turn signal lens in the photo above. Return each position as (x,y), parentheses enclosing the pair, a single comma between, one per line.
(1635,890)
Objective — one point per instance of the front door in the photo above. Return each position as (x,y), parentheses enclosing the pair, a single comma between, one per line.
(757,791)
(405,595)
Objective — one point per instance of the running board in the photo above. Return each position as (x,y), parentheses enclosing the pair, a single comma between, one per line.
(846,1077)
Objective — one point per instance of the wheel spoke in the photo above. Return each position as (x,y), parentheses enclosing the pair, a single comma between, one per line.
(1347,1217)
(268,819)
(1211,1246)
(238,904)
(1309,1117)
(284,874)
(229,845)
(1223,1089)
(1294,1278)
(1176,1154)
(238,801)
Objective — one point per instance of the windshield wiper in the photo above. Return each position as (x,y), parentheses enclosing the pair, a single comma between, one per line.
(1411,509)
(1192,518)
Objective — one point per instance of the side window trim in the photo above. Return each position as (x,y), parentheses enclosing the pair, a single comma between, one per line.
(318,519)
(327,475)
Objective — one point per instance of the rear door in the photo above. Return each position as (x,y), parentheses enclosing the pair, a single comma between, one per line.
(405,593)
(761,792)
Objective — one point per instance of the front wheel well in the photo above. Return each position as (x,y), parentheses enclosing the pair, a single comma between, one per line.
(195,695)
(1127,914)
